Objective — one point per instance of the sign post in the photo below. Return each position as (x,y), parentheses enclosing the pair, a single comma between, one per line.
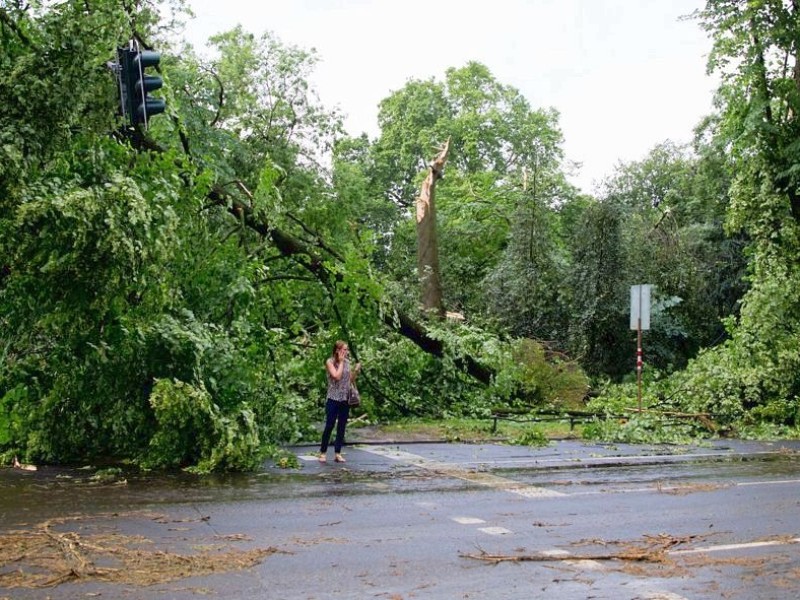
(640,321)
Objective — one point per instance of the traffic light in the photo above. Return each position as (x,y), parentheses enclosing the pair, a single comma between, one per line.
(135,86)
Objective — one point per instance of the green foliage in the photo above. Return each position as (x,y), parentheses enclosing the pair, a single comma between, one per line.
(670,208)
(623,423)
(421,385)
(757,368)
(285,459)
(78,260)
(530,437)
(525,291)
(753,376)
(12,422)
(527,375)
(642,429)
(598,331)
(544,379)
(185,418)
(115,271)
(192,431)
(780,412)
(767,430)
(110,475)
(494,206)
(142,315)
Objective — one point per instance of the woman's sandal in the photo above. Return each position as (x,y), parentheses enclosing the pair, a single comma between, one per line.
(339,458)
(323,458)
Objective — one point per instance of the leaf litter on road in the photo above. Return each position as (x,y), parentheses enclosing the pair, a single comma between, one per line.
(83,548)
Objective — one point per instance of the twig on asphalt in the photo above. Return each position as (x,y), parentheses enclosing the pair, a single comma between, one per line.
(654,557)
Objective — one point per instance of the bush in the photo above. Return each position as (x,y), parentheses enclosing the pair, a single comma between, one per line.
(643,429)
(530,437)
(193,433)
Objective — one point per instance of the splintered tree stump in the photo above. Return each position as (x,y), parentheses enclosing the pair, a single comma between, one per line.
(427,241)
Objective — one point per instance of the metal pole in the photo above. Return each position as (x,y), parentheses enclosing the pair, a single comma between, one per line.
(639,361)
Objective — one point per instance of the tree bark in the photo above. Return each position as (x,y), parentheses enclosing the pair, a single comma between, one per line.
(427,241)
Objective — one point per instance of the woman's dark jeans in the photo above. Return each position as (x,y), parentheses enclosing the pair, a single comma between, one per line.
(334,411)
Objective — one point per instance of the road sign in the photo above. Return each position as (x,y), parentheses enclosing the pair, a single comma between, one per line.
(640,307)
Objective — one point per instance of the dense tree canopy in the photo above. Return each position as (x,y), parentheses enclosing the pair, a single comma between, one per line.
(169,294)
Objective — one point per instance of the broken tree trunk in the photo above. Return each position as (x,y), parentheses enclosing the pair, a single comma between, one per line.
(427,241)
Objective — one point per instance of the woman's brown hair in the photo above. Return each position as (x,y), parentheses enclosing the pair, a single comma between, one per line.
(338,345)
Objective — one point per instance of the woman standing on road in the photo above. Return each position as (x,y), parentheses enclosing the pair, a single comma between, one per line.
(337,408)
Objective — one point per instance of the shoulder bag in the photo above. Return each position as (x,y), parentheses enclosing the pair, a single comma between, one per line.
(353,397)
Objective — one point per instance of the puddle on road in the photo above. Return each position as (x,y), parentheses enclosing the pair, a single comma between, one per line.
(32,496)
(50,492)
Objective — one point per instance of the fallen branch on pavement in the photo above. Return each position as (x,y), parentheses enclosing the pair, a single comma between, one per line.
(651,549)
(653,557)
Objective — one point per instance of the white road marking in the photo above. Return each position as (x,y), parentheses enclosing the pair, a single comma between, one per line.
(529,491)
(743,546)
(555,552)
(589,565)
(775,482)
(645,592)
(459,472)
(468,520)
(308,457)
(495,530)
(662,596)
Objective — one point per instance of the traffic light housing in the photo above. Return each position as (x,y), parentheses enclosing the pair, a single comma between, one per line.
(135,85)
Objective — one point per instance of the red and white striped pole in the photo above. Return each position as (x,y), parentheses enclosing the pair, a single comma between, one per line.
(639,361)
(640,319)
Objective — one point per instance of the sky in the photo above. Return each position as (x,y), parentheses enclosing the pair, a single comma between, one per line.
(624,75)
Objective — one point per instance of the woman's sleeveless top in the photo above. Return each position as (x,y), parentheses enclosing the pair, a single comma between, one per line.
(338,390)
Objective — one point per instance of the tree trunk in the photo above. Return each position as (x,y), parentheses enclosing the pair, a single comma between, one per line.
(427,242)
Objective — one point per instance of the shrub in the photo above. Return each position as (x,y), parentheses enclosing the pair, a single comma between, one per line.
(191,432)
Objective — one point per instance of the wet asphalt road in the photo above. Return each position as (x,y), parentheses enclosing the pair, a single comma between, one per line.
(420,520)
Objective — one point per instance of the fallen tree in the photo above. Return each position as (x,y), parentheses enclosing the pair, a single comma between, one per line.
(291,246)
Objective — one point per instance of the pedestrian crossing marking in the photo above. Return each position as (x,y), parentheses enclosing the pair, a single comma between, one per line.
(459,472)
(468,520)
(495,530)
